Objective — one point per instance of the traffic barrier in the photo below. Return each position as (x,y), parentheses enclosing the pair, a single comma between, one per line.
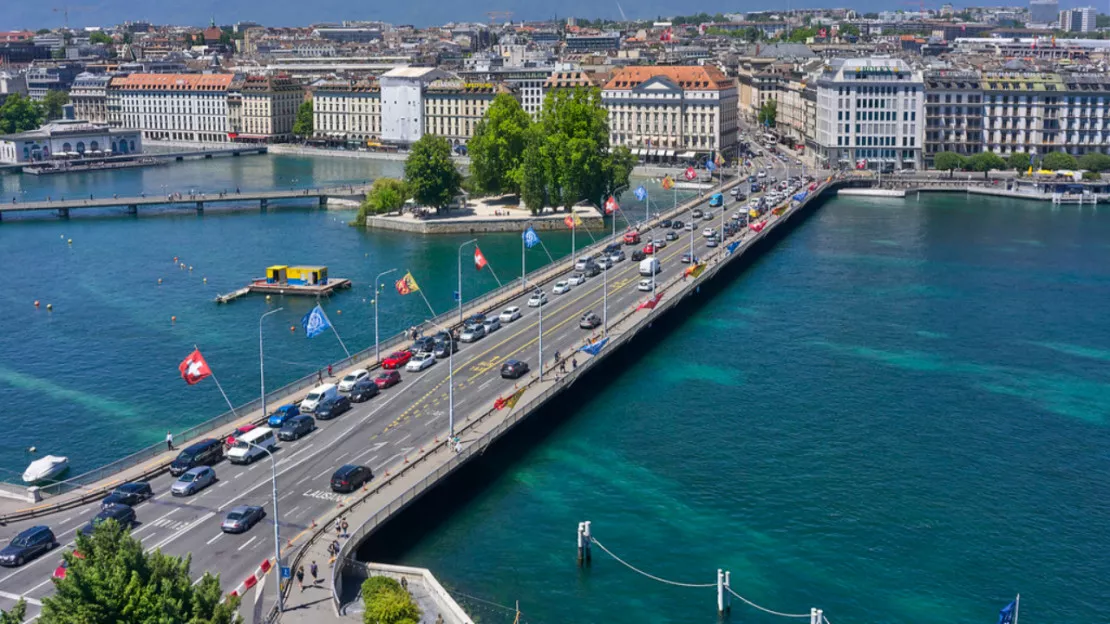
(251,581)
(266,565)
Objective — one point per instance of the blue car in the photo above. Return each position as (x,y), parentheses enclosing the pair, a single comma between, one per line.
(716,200)
(283,413)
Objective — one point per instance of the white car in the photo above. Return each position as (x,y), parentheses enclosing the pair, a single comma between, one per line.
(508,315)
(689,227)
(537,299)
(577,279)
(351,379)
(604,263)
(616,256)
(707,232)
(420,361)
(492,325)
(644,285)
(561,287)
(582,263)
(761,174)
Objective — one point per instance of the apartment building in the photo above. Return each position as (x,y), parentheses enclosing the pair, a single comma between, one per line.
(172,107)
(268,108)
(1037,113)
(453,108)
(672,111)
(347,110)
(89,96)
(953,113)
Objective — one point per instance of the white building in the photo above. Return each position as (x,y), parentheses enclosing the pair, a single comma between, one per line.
(89,95)
(870,112)
(1078,20)
(172,107)
(68,139)
(402,96)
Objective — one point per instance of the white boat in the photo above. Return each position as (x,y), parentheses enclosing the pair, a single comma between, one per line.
(45,468)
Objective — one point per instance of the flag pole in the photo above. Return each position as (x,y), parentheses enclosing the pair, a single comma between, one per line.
(221,388)
(523,266)
(1017,608)
(490,267)
(421,291)
(547,252)
(336,334)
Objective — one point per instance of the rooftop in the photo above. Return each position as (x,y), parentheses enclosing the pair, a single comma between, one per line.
(690,77)
(174,82)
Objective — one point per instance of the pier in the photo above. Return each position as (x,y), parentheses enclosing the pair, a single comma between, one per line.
(260,285)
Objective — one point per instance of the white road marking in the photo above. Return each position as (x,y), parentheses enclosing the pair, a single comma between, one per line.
(326,471)
(407,436)
(483,386)
(46,582)
(248,542)
(218,536)
(177,534)
(290,512)
(16,597)
(302,481)
(153,523)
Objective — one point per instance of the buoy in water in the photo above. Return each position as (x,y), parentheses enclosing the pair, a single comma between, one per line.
(36,303)
(267,297)
(69,241)
(339,311)
(190,267)
(32,450)
(175,259)
(159,280)
(292,328)
(205,280)
(50,306)
(173,319)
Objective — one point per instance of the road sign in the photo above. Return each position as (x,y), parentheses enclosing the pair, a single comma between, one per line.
(286,572)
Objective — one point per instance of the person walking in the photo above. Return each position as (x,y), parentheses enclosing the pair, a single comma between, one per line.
(574,364)
(300,577)
(338,528)
(314,571)
(329,370)
(169,440)
(345,526)
(319,376)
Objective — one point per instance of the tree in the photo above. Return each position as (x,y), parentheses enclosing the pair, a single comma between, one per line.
(985,162)
(302,125)
(42,31)
(387,602)
(386,195)
(533,186)
(1094,162)
(19,114)
(574,131)
(225,38)
(619,165)
(17,615)
(98,37)
(768,112)
(948,161)
(115,581)
(497,148)
(187,40)
(1059,160)
(848,30)
(53,102)
(1019,161)
(430,174)
(801,35)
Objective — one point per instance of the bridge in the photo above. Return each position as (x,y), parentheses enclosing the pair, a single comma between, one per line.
(130,205)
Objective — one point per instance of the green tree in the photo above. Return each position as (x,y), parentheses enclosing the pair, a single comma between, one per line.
(42,31)
(1059,160)
(619,165)
(848,30)
(533,186)
(100,37)
(302,125)
(17,615)
(948,161)
(768,112)
(53,102)
(187,40)
(497,148)
(1092,176)
(800,35)
(985,162)
(387,602)
(575,130)
(1094,162)
(225,38)
(386,195)
(430,174)
(1019,161)
(117,582)
(19,114)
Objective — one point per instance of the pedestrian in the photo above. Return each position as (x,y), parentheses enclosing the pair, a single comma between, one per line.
(404,583)
(319,376)
(169,440)
(563,367)
(345,527)
(458,446)
(557,356)
(300,577)
(574,364)
(338,528)
(314,570)
(329,370)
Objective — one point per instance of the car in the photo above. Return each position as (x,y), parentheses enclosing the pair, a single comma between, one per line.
(762,174)
(665,223)
(689,227)
(397,359)
(645,284)
(241,518)
(610,248)
(632,238)
(677,225)
(238,431)
(193,481)
(562,286)
(798,161)
(712,242)
(708,216)
(122,514)
(648,249)
(659,243)
(387,379)
(444,348)
(672,236)
(281,414)
(60,571)
(686,258)
(577,279)
(593,269)
(470,333)
(734,191)
(474,319)
(604,263)
(364,390)
(350,379)
(514,369)
(299,426)
(27,545)
(697,214)
(330,408)
(638,255)
(423,343)
(425,360)
(492,324)
(617,256)
(203,453)
(589,320)
(707,232)
(129,494)
(510,314)
(582,263)
(537,299)
(350,477)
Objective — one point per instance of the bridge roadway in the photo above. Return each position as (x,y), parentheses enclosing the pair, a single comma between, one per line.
(379,433)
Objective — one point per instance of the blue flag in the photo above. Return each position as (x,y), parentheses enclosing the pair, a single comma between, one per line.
(731,249)
(315,322)
(710,165)
(595,348)
(640,192)
(1006,615)
(531,239)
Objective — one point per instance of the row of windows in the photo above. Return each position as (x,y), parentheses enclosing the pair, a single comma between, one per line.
(692,142)
(876,90)
(875,140)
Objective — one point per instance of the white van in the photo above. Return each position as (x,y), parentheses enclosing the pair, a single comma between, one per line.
(649,266)
(242,452)
(317,396)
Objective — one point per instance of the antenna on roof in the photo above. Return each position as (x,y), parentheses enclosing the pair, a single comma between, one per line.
(623,16)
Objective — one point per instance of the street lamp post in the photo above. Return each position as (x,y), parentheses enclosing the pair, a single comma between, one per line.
(451,353)
(277,537)
(460,274)
(261,368)
(377,293)
(540,307)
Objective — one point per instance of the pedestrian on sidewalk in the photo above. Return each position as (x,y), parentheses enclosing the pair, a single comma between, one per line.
(314,571)
(300,577)
(319,376)
(329,370)
(345,527)
(169,440)
(574,364)
(338,528)
(458,446)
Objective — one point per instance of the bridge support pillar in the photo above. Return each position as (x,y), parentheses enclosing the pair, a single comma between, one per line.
(63,213)
(200,207)
(132,209)
(263,203)
(323,201)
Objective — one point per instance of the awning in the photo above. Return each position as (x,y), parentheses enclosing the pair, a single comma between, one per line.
(686,155)
(670,153)
(653,152)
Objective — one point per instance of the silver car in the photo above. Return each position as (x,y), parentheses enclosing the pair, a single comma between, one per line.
(193,481)
(241,518)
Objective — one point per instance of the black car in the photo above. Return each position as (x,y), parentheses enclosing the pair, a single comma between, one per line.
(122,514)
(364,390)
(592,269)
(697,213)
(299,426)
(330,408)
(423,344)
(207,452)
(514,369)
(350,477)
(29,544)
(638,255)
(678,225)
(666,223)
(612,248)
(129,494)
(442,346)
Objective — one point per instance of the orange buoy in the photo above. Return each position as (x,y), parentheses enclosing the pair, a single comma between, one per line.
(175,259)
(292,328)
(173,319)
(36,303)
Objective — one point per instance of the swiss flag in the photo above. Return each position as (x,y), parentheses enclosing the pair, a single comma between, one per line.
(758,226)
(479,260)
(194,368)
(611,205)
(690,173)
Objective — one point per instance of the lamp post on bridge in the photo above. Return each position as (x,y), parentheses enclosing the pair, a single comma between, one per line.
(261,367)
(377,294)
(277,537)
(451,352)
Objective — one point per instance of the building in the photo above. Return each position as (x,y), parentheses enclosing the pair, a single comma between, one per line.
(870,113)
(348,35)
(453,108)
(11,83)
(89,96)
(68,138)
(1044,11)
(953,113)
(403,102)
(172,107)
(1078,20)
(604,42)
(569,80)
(667,112)
(525,81)
(40,80)
(347,111)
(268,108)
(1037,113)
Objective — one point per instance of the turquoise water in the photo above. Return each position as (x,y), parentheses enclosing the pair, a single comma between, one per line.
(898,414)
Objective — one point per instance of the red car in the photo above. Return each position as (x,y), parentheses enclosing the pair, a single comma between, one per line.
(649,248)
(397,359)
(60,571)
(386,380)
(631,238)
(238,432)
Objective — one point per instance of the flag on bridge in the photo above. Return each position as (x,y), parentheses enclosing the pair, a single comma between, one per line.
(641,193)
(479,260)
(1006,615)
(509,401)
(690,174)
(193,368)
(650,303)
(611,205)
(694,271)
(315,322)
(757,227)
(594,347)
(732,247)
(668,183)
(531,239)
(406,285)
(710,166)
(719,160)
(572,220)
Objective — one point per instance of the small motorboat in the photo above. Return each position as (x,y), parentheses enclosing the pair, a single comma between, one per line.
(45,468)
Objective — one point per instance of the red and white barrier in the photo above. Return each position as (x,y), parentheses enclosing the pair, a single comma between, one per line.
(254,578)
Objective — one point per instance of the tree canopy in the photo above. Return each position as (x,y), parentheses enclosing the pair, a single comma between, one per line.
(985,162)
(1059,160)
(948,161)
(430,174)
(386,195)
(302,125)
(497,148)
(1094,162)
(100,37)
(768,113)
(53,102)
(19,114)
(115,581)
(387,602)
(1019,161)
(17,615)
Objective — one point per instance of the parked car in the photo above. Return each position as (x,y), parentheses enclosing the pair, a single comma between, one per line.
(299,426)
(283,413)
(203,453)
(589,320)
(129,494)
(122,514)
(577,279)
(537,299)
(510,314)
(514,369)
(241,518)
(644,285)
(492,324)
(397,359)
(352,378)
(27,545)
(562,286)
(471,333)
(193,481)
(350,477)
(333,407)
(422,361)
(387,379)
